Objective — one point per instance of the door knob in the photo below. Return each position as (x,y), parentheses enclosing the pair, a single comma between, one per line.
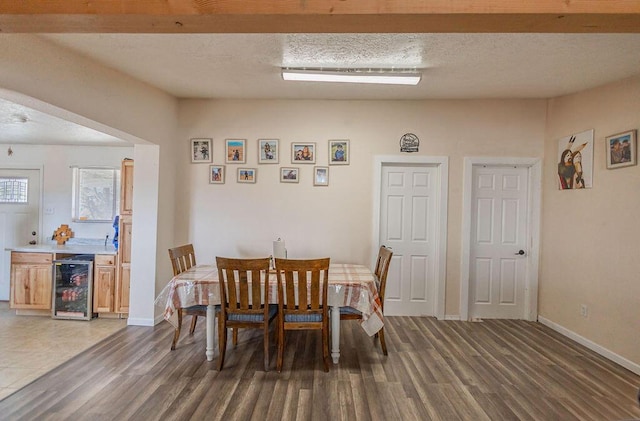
(520,253)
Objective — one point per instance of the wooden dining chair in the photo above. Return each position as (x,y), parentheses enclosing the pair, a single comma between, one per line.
(183,258)
(380,272)
(244,298)
(302,300)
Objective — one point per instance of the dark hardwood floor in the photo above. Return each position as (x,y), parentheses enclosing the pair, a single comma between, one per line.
(436,370)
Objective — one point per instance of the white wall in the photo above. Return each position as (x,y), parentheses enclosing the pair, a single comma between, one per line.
(590,237)
(57,176)
(242,219)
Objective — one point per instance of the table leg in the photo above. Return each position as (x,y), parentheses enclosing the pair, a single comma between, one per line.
(335,333)
(211,324)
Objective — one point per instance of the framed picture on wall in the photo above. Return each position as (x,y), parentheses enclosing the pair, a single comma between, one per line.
(575,161)
(303,153)
(216,174)
(235,151)
(246,175)
(289,175)
(320,176)
(339,152)
(621,149)
(268,150)
(201,150)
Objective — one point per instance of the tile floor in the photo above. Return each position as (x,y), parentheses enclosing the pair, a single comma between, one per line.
(33,345)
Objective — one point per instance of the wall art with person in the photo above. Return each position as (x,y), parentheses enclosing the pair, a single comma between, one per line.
(575,161)
(620,149)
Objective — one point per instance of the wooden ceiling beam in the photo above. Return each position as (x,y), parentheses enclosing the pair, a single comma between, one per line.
(319,16)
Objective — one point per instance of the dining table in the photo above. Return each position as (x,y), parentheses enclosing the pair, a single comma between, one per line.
(350,285)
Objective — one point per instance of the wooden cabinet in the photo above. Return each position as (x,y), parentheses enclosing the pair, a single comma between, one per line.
(123,277)
(124,265)
(31,281)
(126,187)
(104,283)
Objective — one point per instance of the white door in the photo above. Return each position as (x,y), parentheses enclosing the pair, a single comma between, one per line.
(498,254)
(408,213)
(18,220)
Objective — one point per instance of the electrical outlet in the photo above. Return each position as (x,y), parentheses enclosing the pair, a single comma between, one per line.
(584,311)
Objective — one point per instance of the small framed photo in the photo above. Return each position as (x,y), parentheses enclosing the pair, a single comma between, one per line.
(621,149)
(303,153)
(216,174)
(201,150)
(339,152)
(235,151)
(268,150)
(289,175)
(247,175)
(320,176)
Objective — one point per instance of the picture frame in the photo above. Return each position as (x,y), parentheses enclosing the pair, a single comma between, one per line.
(235,151)
(303,153)
(621,149)
(320,176)
(339,152)
(216,174)
(575,161)
(201,150)
(289,174)
(247,175)
(268,151)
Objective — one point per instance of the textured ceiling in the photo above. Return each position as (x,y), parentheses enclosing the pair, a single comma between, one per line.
(454,66)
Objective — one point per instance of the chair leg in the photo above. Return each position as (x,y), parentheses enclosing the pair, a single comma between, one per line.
(194,320)
(266,346)
(235,336)
(222,341)
(176,334)
(280,344)
(382,342)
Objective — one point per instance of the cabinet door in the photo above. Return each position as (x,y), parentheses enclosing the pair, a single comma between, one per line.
(104,284)
(124,265)
(122,299)
(31,286)
(126,188)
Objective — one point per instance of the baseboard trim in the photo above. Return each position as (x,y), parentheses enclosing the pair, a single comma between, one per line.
(140,322)
(629,365)
(455,317)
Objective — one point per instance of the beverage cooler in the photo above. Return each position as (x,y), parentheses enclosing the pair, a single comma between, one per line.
(73,288)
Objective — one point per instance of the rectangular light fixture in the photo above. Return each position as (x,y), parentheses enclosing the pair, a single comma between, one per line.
(379,76)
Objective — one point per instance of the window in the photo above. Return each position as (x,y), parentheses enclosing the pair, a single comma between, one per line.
(95,197)
(14,190)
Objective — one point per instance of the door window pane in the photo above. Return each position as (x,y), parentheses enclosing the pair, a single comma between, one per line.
(14,190)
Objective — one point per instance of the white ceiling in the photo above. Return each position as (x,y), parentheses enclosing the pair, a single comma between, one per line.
(454,66)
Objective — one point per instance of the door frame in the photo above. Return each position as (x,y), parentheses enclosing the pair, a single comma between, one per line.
(442,165)
(534,166)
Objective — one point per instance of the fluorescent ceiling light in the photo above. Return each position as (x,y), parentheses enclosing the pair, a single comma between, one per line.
(381,76)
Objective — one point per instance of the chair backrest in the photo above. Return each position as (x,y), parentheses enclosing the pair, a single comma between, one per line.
(239,291)
(303,285)
(382,268)
(182,258)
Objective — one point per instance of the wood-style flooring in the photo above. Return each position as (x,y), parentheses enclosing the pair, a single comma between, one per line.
(436,370)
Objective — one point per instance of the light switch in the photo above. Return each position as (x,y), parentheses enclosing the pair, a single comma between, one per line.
(49,210)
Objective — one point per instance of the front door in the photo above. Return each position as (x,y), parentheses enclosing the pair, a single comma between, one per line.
(408,218)
(498,253)
(19,216)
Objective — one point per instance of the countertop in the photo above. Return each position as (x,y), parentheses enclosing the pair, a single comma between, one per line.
(71,249)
